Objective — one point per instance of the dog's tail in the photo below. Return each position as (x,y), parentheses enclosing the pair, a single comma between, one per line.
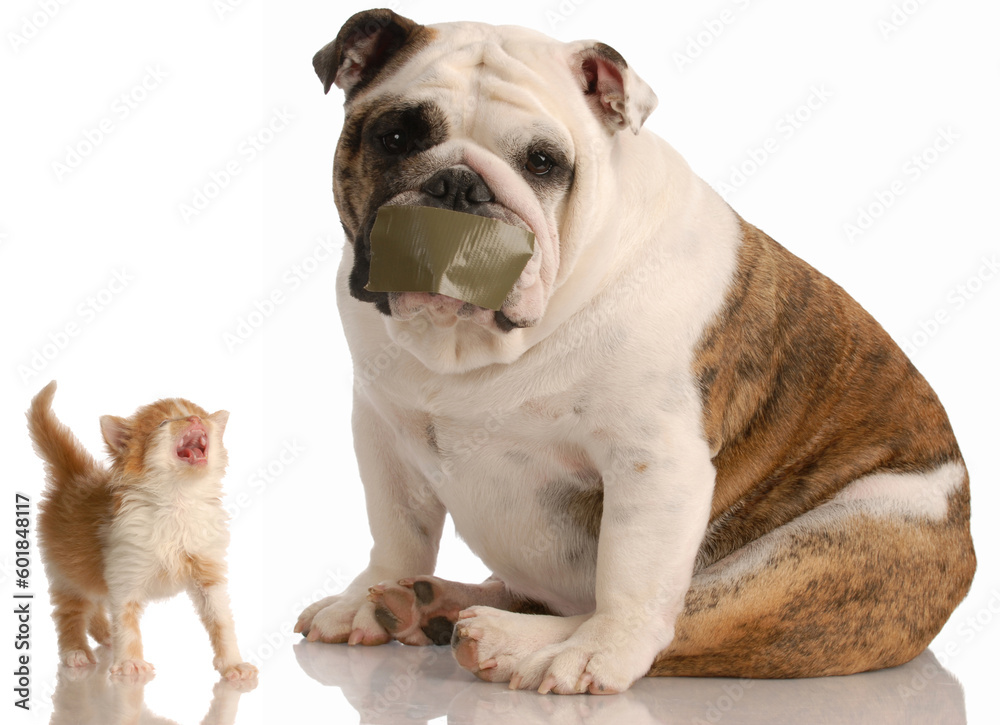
(65,457)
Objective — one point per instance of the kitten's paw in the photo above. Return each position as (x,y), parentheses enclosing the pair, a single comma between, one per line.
(238,671)
(131,667)
(78,658)
(227,689)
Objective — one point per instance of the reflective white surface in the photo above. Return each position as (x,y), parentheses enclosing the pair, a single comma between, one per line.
(394,684)
(419,685)
(89,695)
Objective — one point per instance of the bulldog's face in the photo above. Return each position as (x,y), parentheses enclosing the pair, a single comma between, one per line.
(500,122)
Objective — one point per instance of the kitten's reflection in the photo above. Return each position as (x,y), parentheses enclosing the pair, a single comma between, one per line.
(89,696)
(391,683)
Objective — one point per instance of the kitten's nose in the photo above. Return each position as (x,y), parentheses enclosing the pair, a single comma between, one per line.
(194,419)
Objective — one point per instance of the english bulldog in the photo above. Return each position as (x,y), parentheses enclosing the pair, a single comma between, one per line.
(680,449)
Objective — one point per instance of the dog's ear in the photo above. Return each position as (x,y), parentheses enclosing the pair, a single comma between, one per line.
(362,48)
(617,95)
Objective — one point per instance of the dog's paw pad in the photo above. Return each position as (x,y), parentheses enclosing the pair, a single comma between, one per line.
(415,610)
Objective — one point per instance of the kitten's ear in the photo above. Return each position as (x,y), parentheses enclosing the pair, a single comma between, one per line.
(220,418)
(115,432)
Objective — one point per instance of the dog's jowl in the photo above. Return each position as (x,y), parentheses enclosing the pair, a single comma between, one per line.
(679,448)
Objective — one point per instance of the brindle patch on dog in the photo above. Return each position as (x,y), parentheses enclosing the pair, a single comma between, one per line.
(390,40)
(580,499)
(803,392)
(366,175)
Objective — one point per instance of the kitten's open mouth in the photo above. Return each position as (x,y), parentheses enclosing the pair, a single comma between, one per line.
(193,445)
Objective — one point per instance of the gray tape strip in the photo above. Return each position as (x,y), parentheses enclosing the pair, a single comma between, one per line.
(466,256)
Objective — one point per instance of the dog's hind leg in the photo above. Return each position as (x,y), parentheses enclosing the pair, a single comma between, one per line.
(856,584)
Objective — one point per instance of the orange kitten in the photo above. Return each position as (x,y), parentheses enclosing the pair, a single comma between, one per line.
(152,525)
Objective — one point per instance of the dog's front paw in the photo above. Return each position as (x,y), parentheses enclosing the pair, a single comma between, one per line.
(495,645)
(599,660)
(571,669)
(131,667)
(342,618)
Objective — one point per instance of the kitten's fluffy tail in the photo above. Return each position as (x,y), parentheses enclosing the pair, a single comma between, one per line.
(65,457)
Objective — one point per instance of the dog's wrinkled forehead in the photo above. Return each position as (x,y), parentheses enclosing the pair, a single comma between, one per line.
(482,70)
(485,81)
(482,64)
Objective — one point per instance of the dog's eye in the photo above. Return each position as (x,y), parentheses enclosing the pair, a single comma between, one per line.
(539,163)
(396,141)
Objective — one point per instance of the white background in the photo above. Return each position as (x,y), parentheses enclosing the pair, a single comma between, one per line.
(728,74)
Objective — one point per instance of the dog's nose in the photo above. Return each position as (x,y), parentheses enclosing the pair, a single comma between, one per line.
(458,188)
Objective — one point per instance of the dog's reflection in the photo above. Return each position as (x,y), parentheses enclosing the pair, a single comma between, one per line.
(88,696)
(394,683)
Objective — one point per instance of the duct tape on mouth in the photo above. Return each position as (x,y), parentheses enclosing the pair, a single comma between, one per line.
(466,256)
